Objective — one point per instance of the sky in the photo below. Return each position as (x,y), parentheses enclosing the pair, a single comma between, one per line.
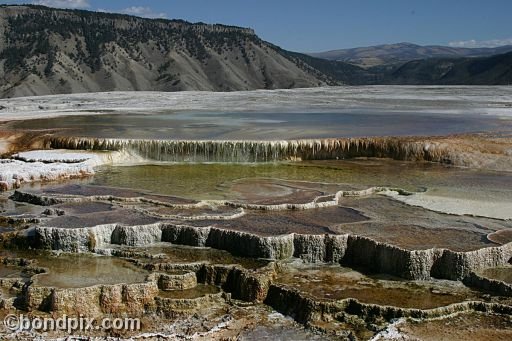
(321,25)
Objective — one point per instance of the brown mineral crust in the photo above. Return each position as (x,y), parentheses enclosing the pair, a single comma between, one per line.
(501,237)
(412,237)
(271,223)
(95,301)
(467,326)
(92,191)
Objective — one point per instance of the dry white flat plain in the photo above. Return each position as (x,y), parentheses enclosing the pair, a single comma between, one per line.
(489,100)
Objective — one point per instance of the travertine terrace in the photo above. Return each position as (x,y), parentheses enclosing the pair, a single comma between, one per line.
(351,237)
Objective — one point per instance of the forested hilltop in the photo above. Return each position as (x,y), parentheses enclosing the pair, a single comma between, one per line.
(45,50)
(49,51)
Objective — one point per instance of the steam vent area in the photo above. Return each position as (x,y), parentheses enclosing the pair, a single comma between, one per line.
(361,213)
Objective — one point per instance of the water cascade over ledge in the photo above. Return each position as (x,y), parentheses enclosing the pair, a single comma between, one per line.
(261,151)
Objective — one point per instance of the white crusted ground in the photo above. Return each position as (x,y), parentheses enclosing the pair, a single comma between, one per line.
(459,206)
(494,100)
(58,156)
(14,173)
(51,165)
(391,332)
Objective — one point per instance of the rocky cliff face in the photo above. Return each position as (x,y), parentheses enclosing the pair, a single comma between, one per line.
(46,51)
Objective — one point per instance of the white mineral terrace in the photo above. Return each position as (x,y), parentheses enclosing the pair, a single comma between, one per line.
(491,100)
(62,156)
(457,206)
(448,205)
(51,165)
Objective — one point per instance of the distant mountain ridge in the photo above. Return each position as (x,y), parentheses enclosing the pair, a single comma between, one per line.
(45,51)
(51,51)
(404,52)
(494,70)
